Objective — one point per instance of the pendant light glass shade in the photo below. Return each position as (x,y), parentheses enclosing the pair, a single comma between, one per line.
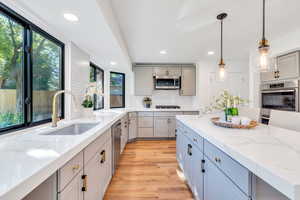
(264,47)
(222,71)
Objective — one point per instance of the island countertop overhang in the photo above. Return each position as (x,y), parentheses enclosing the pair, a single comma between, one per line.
(271,153)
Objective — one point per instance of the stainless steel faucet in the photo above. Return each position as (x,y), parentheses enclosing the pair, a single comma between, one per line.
(55,117)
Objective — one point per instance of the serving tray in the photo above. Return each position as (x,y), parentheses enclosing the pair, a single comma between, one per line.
(216,121)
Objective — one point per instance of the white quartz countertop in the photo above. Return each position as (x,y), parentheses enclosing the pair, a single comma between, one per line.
(27,157)
(271,153)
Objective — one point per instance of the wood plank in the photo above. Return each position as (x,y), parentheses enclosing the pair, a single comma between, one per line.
(148,170)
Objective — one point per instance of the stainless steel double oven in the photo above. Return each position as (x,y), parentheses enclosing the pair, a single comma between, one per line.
(283,95)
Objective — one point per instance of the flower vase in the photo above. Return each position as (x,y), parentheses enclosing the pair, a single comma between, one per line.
(87,112)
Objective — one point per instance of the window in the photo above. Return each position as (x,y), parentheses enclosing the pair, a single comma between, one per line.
(97,75)
(117,90)
(31,71)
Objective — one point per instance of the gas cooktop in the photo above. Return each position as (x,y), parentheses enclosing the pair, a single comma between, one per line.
(167,107)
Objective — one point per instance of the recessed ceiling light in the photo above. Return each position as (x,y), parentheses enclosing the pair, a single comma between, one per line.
(210,53)
(113,63)
(71,17)
(163,52)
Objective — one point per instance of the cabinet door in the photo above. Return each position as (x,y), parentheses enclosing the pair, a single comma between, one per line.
(106,167)
(143,81)
(196,173)
(132,128)
(288,66)
(172,126)
(267,76)
(94,171)
(145,132)
(73,190)
(160,71)
(180,148)
(161,127)
(46,191)
(217,186)
(188,81)
(174,71)
(145,122)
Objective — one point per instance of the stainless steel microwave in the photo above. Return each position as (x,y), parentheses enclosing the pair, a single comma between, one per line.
(167,82)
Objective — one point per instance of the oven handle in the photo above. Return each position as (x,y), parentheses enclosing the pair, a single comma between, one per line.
(277,91)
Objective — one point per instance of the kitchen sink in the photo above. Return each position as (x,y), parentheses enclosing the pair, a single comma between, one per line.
(74,129)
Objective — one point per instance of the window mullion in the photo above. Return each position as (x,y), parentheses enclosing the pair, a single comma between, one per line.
(28,76)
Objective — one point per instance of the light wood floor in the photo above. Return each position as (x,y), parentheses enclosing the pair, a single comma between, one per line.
(148,170)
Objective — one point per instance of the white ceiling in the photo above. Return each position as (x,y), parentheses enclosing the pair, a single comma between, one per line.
(92,33)
(188,29)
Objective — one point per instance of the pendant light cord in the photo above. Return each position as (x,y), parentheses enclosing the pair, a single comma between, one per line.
(264,19)
(222,39)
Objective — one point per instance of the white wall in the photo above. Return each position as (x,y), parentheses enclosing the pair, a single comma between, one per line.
(77,80)
(209,85)
(286,43)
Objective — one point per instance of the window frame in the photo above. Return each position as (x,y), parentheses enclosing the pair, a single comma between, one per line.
(27,91)
(96,67)
(123,89)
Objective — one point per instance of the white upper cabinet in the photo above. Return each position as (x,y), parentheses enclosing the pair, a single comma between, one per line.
(167,70)
(143,81)
(288,66)
(188,81)
(267,76)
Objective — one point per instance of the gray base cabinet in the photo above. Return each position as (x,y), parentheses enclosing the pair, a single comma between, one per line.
(210,173)
(217,186)
(161,127)
(46,191)
(125,130)
(132,126)
(73,190)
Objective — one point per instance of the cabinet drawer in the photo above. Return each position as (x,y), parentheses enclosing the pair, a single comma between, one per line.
(73,190)
(167,114)
(145,132)
(191,113)
(145,114)
(132,114)
(241,176)
(145,122)
(69,170)
(194,137)
(92,149)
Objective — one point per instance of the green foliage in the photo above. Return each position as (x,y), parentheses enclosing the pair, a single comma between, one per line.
(220,102)
(87,103)
(9,119)
(46,60)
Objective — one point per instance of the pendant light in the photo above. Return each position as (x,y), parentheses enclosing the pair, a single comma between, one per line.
(222,71)
(264,45)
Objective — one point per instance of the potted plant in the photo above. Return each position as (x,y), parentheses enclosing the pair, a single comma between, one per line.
(88,104)
(147,101)
(226,101)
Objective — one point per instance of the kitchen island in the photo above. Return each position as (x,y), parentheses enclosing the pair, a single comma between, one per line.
(261,163)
